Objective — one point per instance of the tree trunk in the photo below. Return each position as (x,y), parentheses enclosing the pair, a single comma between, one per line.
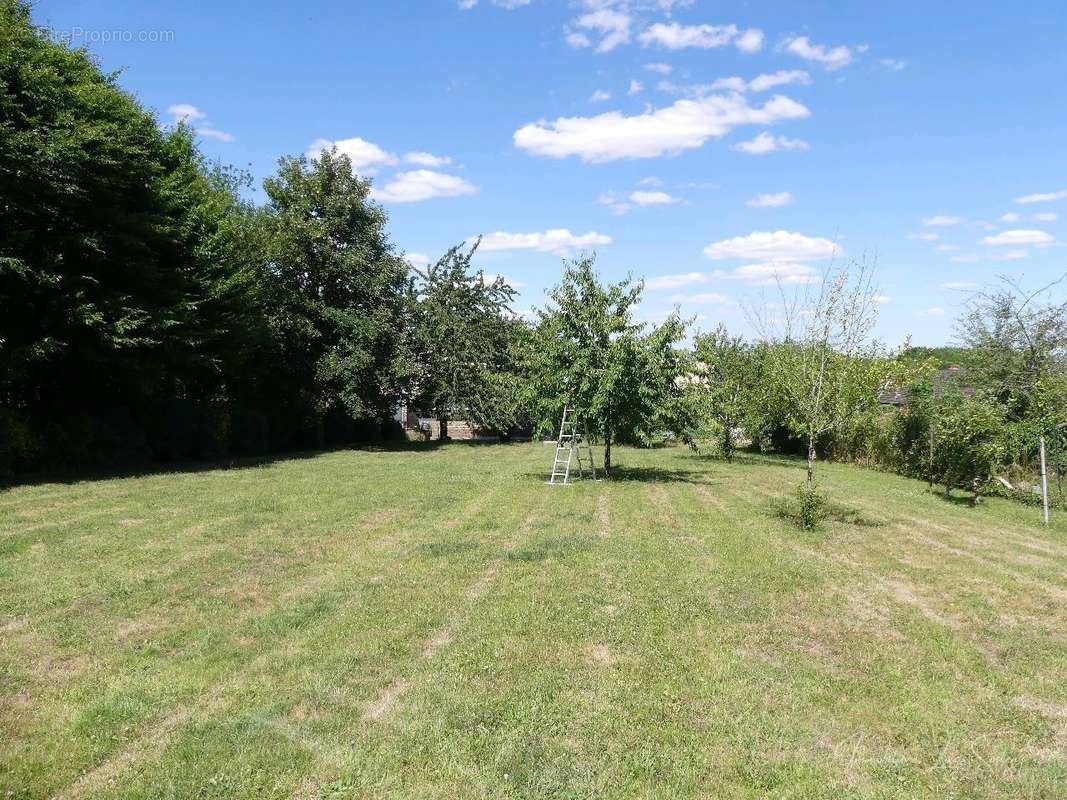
(607,455)
(811,461)
(442,434)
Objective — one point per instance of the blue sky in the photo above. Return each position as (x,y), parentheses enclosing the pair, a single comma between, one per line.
(711,147)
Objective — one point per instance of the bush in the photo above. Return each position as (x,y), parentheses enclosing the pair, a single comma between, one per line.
(808,507)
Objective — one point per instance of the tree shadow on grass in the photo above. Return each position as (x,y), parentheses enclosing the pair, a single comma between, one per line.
(639,475)
(786,507)
(148,468)
(552,547)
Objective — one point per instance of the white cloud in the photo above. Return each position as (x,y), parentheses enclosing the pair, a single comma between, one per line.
(490,277)
(612,25)
(700,299)
(422,184)
(942,221)
(557,240)
(185,112)
(646,198)
(773,246)
(882,299)
(751,41)
(675,36)
(831,58)
(782,77)
(636,87)
(893,64)
(366,157)
(768,143)
(424,159)
(418,259)
(676,281)
(197,121)
(924,237)
(577,40)
(684,125)
(959,285)
(1046,216)
(1011,216)
(600,96)
(214,133)
(930,312)
(947,248)
(771,200)
(1018,237)
(1045,197)
(659,68)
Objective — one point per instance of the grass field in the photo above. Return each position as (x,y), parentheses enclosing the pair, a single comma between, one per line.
(440,623)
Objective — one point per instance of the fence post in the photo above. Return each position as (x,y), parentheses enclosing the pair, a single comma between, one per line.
(1044,483)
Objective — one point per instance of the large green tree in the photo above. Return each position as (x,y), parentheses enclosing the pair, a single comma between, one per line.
(331,287)
(113,281)
(462,343)
(589,353)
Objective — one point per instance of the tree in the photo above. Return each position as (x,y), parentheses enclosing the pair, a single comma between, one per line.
(1019,338)
(971,441)
(823,364)
(461,343)
(331,287)
(114,277)
(726,375)
(588,353)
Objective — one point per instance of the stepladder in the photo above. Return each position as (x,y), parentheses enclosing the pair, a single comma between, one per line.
(572,450)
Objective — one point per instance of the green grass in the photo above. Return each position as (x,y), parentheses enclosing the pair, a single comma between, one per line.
(440,623)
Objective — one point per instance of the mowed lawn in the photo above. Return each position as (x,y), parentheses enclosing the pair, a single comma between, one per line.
(437,622)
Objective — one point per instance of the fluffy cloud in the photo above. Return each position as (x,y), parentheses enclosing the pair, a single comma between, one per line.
(418,259)
(1041,197)
(772,246)
(942,221)
(645,198)
(831,58)
(893,64)
(659,68)
(924,237)
(366,157)
(599,96)
(675,36)
(197,120)
(620,204)
(771,200)
(685,124)
(760,83)
(612,25)
(1011,216)
(1017,237)
(768,143)
(782,77)
(1047,216)
(556,240)
(636,87)
(421,184)
(424,159)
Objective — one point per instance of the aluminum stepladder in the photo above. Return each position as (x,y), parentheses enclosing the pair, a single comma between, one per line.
(569,449)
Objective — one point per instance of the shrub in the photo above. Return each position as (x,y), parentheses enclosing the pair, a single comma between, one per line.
(807,508)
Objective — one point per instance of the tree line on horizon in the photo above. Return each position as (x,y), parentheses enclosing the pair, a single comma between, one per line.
(152,312)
